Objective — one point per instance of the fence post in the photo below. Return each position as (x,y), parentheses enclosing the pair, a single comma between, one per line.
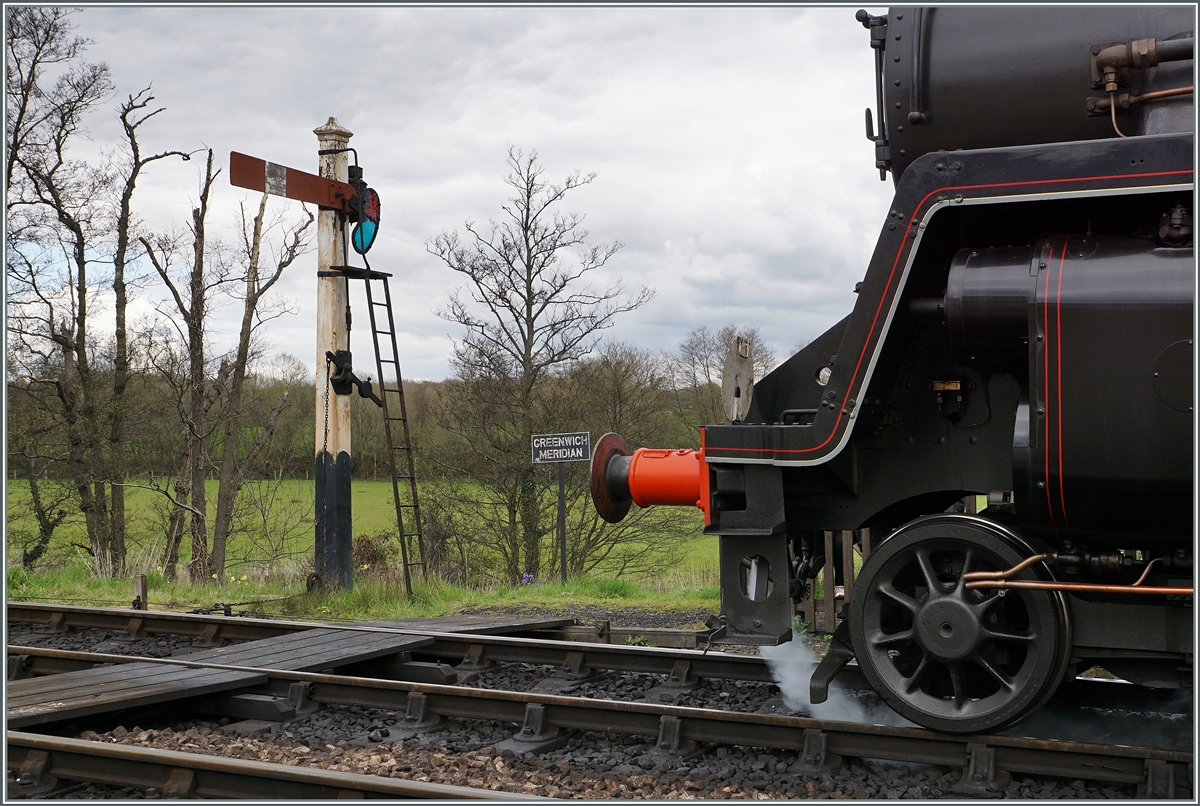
(140,596)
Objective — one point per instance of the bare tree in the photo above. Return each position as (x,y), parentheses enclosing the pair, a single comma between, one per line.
(529,310)
(33,450)
(257,283)
(40,39)
(133,114)
(190,296)
(65,219)
(625,390)
(168,355)
(697,367)
(50,222)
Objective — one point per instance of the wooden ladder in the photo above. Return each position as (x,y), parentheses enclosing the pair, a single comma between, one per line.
(395,424)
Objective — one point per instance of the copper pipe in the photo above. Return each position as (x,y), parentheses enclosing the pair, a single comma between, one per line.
(1153,96)
(1016,569)
(1125,100)
(1082,587)
(1112,105)
(1146,572)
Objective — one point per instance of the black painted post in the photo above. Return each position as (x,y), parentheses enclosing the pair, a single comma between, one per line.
(562,519)
(333,559)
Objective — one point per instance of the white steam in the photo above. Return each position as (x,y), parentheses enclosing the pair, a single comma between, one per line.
(793,665)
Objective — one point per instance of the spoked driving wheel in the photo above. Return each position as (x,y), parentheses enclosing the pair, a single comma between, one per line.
(948,658)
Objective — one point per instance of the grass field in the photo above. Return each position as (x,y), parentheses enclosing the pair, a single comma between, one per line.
(286,530)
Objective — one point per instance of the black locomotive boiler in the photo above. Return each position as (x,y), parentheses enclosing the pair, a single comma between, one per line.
(1024,333)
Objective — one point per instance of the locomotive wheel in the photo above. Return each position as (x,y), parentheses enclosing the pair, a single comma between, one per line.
(948,658)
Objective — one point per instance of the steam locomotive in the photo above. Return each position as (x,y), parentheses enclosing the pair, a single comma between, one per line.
(1023,335)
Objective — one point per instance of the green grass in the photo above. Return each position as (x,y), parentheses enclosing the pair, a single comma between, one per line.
(64,573)
(373,596)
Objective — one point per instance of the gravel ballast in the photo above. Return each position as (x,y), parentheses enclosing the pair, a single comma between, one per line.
(590,766)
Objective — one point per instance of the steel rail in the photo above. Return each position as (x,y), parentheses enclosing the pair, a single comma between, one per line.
(819,741)
(41,762)
(477,649)
(1082,691)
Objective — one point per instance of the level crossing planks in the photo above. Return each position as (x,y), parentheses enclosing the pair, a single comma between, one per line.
(74,694)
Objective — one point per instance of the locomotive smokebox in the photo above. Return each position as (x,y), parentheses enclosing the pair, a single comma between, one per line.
(972,77)
(647,477)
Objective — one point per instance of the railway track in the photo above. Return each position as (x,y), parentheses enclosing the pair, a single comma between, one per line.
(546,719)
(43,763)
(474,653)
(473,650)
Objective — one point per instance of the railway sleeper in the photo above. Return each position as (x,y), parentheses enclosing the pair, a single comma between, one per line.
(400,666)
(244,705)
(261,705)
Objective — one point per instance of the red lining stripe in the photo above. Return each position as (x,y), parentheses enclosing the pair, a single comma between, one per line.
(1058,368)
(891,276)
(1046,383)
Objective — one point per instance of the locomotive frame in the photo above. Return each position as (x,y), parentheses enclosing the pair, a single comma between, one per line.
(955,375)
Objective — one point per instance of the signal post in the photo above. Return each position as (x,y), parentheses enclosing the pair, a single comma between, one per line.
(333,558)
(342,197)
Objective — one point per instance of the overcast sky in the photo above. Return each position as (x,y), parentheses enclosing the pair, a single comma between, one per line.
(728,145)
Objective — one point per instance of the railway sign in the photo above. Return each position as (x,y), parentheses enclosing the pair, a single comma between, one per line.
(560,448)
(575,447)
(279,180)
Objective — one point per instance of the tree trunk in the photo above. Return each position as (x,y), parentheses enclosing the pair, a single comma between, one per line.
(198,568)
(531,536)
(231,478)
(116,410)
(183,489)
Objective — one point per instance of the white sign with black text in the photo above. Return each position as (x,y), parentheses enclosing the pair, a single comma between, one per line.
(562,448)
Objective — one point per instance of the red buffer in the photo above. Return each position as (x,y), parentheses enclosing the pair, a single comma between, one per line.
(647,477)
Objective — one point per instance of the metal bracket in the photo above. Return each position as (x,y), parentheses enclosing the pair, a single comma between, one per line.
(135,631)
(417,717)
(209,636)
(34,776)
(670,738)
(814,755)
(536,735)
(679,681)
(298,697)
(56,624)
(180,783)
(18,665)
(980,777)
(571,674)
(473,663)
(1160,781)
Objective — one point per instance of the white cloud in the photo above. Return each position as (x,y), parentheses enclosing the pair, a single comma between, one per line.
(728,143)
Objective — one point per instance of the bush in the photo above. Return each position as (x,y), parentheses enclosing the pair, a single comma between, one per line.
(374,555)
